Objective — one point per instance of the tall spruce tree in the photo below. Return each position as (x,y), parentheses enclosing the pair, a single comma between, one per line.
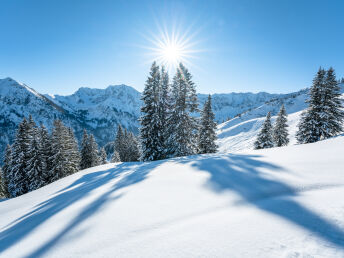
(120,143)
(334,104)
(46,152)
(280,130)
(94,153)
(264,138)
(323,118)
(150,131)
(207,131)
(102,156)
(19,183)
(2,185)
(7,175)
(36,166)
(182,125)
(165,107)
(84,161)
(132,147)
(115,157)
(65,157)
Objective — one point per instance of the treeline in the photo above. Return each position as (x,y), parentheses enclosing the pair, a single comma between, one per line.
(321,120)
(37,157)
(169,123)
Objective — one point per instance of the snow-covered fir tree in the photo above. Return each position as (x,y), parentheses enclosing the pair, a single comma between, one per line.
(164,111)
(19,183)
(334,103)
(115,157)
(84,153)
(46,152)
(120,143)
(133,149)
(65,157)
(280,130)
(102,156)
(150,132)
(89,152)
(36,166)
(2,185)
(94,153)
(182,125)
(264,138)
(323,118)
(7,171)
(207,131)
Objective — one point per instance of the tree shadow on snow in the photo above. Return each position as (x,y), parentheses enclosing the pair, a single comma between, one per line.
(242,174)
(17,230)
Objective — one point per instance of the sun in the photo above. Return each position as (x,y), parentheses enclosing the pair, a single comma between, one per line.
(169,48)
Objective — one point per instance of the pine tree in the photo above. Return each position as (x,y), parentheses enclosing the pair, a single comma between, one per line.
(36,166)
(65,157)
(280,131)
(264,138)
(207,131)
(46,152)
(323,117)
(85,163)
(133,148)
(165,107)
(7,175)
(150,132)
(102,156)
(334,104)
(182,125)
(94,154)
(115,157)
(72,150)
(120,143)
(19,183)
(2,184)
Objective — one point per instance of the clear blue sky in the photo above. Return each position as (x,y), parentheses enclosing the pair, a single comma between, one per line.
(275,46)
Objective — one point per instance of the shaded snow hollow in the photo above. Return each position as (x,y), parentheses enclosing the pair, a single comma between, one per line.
(281,202)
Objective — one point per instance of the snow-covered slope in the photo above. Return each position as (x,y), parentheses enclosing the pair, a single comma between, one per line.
(282,202)
(240,132)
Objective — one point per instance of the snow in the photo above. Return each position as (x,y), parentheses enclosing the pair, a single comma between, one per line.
(280,202)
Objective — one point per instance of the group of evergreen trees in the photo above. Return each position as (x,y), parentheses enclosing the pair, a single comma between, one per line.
(37,158)
(90,154)
(321,120)
(276,135)
(127,146)
(169,126)
(324,116)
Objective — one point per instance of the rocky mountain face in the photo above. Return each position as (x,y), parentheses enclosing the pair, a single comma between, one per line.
(101,110)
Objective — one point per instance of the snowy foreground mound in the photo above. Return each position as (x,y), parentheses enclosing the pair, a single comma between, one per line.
(283,202)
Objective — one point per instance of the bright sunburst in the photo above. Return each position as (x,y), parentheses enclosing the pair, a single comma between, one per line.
(171,48)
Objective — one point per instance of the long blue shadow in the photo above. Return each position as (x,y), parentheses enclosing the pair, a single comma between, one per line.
(242,175)
(17,230)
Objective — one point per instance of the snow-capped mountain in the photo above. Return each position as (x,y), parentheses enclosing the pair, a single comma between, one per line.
(98,111)
(101,110)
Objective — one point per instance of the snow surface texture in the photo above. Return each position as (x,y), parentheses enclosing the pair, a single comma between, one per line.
(240,132)
(281,202)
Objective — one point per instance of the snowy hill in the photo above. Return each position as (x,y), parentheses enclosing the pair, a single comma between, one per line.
(280,202)
(240,132)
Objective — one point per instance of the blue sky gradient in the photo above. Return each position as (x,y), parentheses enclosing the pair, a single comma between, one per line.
(275,46)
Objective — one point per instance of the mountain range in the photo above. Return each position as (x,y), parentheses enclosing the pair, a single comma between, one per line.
(100,110)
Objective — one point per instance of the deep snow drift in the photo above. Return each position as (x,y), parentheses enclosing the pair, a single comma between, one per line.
(282,202)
